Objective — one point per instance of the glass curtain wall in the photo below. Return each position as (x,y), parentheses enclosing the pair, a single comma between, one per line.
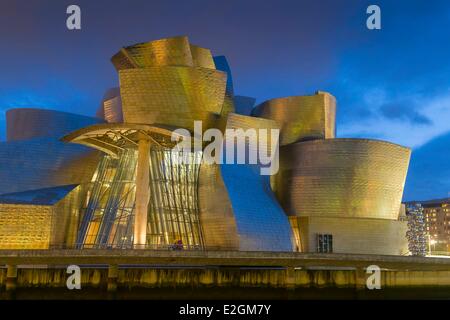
(107,215)
(173,219)
(108,211)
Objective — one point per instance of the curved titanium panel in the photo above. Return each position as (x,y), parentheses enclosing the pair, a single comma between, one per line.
(174,51)
(216,212)
(239,121)
(111,107)
(173,96)
(261,223)
(202,57)
(264,143)
(27,123)
(44,163)
(228,105)
(301,117)
(342,178)
(229,220)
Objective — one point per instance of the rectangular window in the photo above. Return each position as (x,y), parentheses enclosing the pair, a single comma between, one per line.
(324,243)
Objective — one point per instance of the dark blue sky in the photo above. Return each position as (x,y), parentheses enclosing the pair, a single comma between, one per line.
(391,84)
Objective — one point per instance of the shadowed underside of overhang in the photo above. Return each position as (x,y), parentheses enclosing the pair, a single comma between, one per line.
(114,137)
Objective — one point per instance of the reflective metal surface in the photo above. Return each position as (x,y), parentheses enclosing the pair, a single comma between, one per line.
(137,195)
(174,51)
(351,178)
(238,210)
(216,211)
(42,163)
(301,117)
(28,123)
(172,95)
(261,222)
(110,108)
(202,57)
(171,82)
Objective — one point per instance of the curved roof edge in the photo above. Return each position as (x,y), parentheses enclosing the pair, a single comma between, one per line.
(32,123)
(110,138)
(318,92)
(349,139)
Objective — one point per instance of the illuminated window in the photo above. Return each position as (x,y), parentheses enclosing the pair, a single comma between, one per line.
(324,243)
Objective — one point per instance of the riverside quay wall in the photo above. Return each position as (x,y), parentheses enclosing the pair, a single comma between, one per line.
(118,274)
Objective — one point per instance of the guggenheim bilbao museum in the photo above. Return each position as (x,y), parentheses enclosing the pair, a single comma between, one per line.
(110,181)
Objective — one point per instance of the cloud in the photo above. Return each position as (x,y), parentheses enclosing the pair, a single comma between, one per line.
(411,121)
(404,110)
